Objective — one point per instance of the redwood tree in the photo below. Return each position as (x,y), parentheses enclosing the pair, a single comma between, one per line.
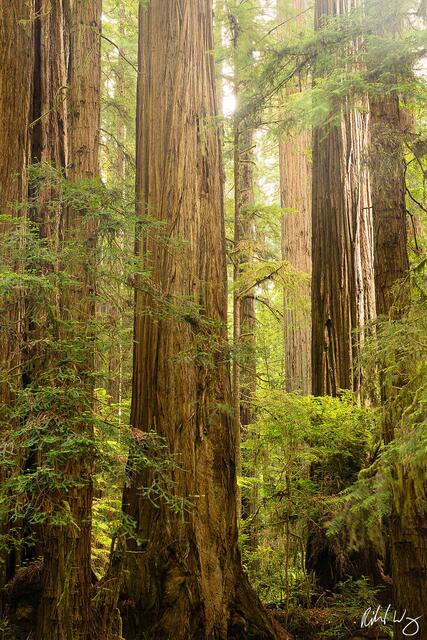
(244,304)
(16,44)
(65,606)
(183,572)
(342,299)
(295,191)
(408,522)
(342,283)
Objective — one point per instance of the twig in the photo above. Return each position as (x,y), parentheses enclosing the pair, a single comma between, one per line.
(416,201)
(104,37)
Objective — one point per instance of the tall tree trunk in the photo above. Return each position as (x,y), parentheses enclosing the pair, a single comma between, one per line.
(65,608)
(244,306)
(16,45)
(389,207)
(408,523)
(244,362)
(295,184)
(47,146)
(343,298)
(183,573)
(115,354)
(342,285)
(295,191)
(49,107)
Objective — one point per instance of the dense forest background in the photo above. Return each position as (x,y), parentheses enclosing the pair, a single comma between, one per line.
(213,329)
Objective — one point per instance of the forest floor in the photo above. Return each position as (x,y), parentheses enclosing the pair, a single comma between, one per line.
(326,624)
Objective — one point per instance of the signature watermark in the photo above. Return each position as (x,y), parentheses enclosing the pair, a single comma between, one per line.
(410,626)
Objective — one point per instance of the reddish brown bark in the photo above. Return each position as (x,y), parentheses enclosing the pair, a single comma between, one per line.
(48,149)
(65,607)
(343,299)
(244,305)
(49,110)
(295,180)
(408,522)
(16,42)
(295,191)
(389,203)
(244,361)
(183,573)
(342,283)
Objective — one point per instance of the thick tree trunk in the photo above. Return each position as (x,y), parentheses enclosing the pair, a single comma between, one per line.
(65,608)
(408,529)
(342,285)
(16,44)
(295,191)
(343,297)
(49,108)
(47,146)
(389,206)
(183,573)
(408,523)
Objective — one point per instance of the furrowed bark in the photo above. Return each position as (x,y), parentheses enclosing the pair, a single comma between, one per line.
(295,192)
(342,283)
(47,149)
(295,177)
(183,573)
(65,608)
(408,521)
(16,42)
(244,305)
(343,298)
(389,205)
(244,362)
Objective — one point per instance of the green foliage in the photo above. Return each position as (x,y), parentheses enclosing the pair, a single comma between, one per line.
(119,64)
(344,74)
(306,450)
(53,420)
(401,344)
